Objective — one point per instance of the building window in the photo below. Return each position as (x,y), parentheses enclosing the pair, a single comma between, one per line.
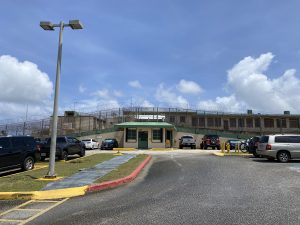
(257,122)
(294,123)
(210,122)
(241,122)
(182,119)
(281,123)
(172,119)
(232,122)
(194,121)
(157,135)
(269,123)
(131,134)
(201,122)
(217,122)
(249,122)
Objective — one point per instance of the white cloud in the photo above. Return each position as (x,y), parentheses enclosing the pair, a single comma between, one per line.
(81,88)
(146,103)
(253,89)
(189,87)
(167,96)
(101,93)
(118,93)
(22,84)
(135,84)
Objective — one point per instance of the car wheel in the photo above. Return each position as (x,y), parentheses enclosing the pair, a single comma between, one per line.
(283,156)
(28,163)
(64,156)
(82,153)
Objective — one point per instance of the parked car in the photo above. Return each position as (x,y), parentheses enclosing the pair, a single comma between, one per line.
(233,143)
(109,144)
(282,147)
(64,146)
(18,151)
(187,141)
(210,140)
(90,143)
(253,144)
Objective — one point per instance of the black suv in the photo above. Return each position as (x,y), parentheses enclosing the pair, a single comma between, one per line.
(64,146)
(109,144)
(210,140)
(18,151)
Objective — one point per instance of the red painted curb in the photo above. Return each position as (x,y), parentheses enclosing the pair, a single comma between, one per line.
(118,182)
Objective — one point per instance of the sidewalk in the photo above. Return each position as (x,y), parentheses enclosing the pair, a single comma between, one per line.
(88,176)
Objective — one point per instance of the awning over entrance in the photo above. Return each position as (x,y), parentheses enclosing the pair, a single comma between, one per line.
(144,125)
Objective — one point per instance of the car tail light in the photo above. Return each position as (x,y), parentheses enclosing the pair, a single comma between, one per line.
(268,147)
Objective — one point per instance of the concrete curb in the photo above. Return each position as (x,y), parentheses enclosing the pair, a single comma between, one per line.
(231,154)
(39,195)
(118,182)
(72,192)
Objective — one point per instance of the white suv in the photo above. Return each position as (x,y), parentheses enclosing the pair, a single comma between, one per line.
(90,143)
(282,147)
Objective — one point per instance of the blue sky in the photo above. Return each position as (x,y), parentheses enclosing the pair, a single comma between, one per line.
(209,55)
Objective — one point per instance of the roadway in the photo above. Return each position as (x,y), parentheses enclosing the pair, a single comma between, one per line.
(192,189)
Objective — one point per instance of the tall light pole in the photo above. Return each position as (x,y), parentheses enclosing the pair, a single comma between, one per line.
(74,24)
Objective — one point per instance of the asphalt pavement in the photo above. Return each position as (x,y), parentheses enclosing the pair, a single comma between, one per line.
(193,189)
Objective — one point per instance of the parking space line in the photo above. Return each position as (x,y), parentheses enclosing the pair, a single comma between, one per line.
(43,211)
(10,220)
(19,206)
(39,212)
(28,210)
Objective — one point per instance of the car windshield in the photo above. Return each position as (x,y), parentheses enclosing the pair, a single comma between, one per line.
(187,137)
(108,140)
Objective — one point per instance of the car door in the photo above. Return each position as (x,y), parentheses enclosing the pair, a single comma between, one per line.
(71,146)
(295,146)
(18,149)
(5,153)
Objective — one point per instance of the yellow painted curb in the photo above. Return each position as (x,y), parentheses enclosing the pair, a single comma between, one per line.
(162,149)
(124,149)
(39,195)
(50,179)
(218,153)
(231,154)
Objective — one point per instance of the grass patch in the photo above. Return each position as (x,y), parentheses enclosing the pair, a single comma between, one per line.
(124,170)
(27,181)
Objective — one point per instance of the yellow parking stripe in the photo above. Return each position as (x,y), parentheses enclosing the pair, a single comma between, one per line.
(17,207)
(39,211)
(43,211)
(10,220)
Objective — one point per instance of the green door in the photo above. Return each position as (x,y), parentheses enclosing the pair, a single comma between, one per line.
(143,140)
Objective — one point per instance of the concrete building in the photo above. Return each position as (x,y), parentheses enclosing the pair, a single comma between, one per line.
(144,135)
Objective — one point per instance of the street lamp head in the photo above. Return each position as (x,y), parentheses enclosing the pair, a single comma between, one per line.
(46,25)
(75,24)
